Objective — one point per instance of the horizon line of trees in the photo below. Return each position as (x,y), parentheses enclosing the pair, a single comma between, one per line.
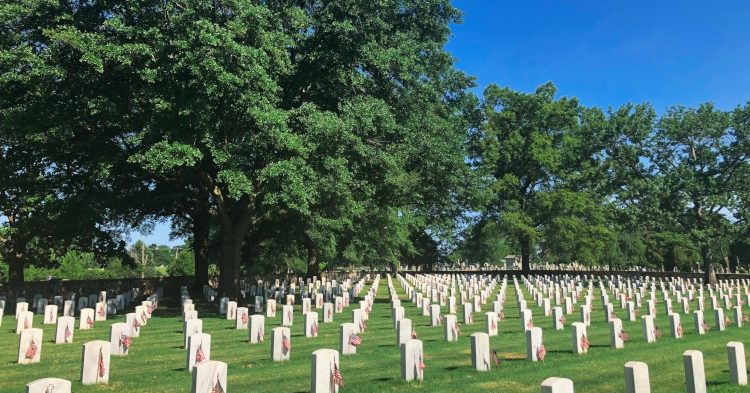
(309,135)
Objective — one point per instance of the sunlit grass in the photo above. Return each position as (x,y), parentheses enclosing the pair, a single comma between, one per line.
(157,361)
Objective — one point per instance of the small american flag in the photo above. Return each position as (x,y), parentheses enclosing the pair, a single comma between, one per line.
(68,334)
(727,321)
(125,342)
(338,380)
(420,364)
(745,318)
(200,356)
(315,329)
(330,312)
(144,317)
(100,311)
(530,324)
(414,334)
(290,316)
(456,330)
(286,344)
(362,325)
(355,340)
(679,331)
(501,316)
(657,332)
(89,322)
(562,320)
(136,324)
(100,365)
(244,318)
(471,318)
(261,335)
(31,350)
(493,324)
(584,343)
(217,388)
(624,336)
(273,310)
(541,353)
(705,326)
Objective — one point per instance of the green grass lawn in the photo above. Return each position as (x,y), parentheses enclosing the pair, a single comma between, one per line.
(156,362)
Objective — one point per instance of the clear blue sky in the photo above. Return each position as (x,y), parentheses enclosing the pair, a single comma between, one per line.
(606,52)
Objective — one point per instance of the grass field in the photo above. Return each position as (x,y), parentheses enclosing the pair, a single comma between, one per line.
(156,362)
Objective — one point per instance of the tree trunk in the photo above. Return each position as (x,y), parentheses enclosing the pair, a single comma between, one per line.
(15,268)
(200,246)
(313,264)
(525,254)
(669,260)
(709,276)
(232,240)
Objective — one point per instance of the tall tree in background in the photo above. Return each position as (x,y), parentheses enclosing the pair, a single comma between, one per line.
(244,98)
(529,145)
(702,155)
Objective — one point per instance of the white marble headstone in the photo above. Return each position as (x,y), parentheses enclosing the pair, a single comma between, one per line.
(95,362)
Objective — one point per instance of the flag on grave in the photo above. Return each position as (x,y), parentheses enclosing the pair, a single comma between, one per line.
(125,342)
(217,388)
(584,343)
(338,380)
(31,350)
(200,356)
(100,365)
(541,353)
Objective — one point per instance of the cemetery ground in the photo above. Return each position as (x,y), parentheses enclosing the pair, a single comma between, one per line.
(157,360)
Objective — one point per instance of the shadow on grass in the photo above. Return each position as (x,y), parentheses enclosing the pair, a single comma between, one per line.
(383,379)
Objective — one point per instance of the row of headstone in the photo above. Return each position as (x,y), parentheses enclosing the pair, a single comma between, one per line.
(95,360)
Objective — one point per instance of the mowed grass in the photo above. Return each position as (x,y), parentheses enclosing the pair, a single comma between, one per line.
(157,361)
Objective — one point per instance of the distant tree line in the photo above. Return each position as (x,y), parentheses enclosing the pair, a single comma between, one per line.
(310,135)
